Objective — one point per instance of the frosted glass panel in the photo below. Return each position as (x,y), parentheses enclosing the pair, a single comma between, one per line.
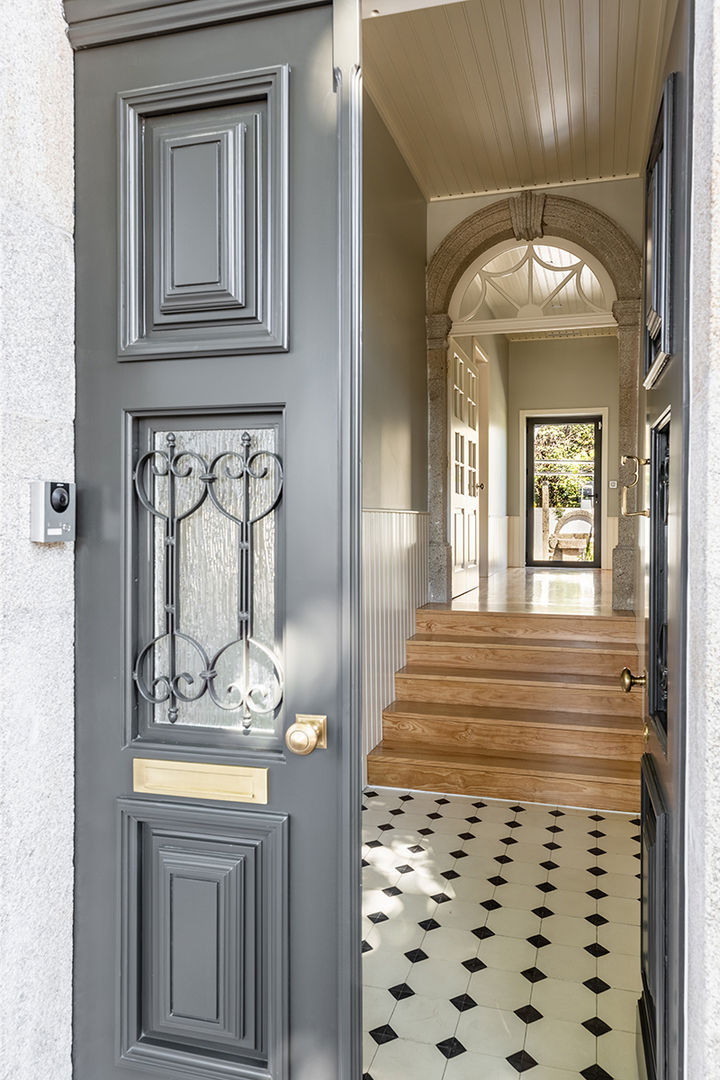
(213,659)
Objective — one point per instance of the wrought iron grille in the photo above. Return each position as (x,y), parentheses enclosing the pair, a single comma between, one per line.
(160,671)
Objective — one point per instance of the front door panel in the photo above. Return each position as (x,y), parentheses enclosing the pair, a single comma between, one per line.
(212,906)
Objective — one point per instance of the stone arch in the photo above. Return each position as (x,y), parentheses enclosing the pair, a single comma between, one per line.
(529,216)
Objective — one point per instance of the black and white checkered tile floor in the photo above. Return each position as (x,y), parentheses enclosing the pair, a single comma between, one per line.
(500,939)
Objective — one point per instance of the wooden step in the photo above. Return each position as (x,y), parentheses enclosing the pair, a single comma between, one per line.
(569,781)
(530,690)
(536,654)
(409,724)
(437,619)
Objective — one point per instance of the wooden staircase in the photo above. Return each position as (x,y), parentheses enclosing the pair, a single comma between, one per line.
(516,706)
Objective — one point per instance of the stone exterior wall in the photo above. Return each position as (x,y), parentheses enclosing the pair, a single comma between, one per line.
(703,712)
(37,395)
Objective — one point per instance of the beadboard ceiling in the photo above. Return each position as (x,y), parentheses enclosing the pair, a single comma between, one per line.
(494,95)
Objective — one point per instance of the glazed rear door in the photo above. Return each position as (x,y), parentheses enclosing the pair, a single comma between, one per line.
(216,930)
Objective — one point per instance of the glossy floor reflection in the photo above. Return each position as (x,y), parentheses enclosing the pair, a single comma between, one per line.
(500,939)
(556,592)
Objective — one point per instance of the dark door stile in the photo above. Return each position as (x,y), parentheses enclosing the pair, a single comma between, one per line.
(217,912)
(531,423)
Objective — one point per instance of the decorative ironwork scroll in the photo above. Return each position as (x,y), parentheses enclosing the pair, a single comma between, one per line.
(189,481)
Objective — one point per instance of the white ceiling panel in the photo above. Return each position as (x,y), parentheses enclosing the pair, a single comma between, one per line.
(493,95)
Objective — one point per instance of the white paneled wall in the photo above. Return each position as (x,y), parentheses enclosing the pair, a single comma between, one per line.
(395,573)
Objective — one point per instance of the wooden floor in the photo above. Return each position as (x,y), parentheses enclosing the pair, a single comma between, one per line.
(577,592)
(513,691)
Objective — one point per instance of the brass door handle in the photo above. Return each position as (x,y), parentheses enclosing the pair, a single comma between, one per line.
(628,680)
(308,733)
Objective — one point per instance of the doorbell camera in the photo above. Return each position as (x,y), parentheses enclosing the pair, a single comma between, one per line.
(52,512)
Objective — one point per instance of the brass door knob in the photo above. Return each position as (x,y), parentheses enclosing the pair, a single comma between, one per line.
(628,680)
(646,732)
(308,733)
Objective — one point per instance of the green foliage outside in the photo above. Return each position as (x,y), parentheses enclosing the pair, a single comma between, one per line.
(572,446)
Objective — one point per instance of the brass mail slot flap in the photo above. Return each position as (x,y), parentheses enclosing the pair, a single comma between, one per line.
(200,780)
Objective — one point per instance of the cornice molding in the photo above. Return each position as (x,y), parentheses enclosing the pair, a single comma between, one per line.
(94,22)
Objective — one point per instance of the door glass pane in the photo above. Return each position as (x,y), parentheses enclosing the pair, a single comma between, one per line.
(563,503)
(212,657)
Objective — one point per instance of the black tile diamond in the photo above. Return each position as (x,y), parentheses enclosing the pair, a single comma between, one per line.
(364,863)
(595,1072)
(404,869)
(554,829)
(396,812)
(596,950)
(637,838)
(508,840)
(596,817)
(549,865)
(383,1034)
(552,846)
(367,1076)
(458,854)
(450,875)
(463,1002)
(596,851)
(473,819)
(522,1061)
(538,941)
(363,808)
(406,798)
(371,794)
(596,920)
(637,855)
(374,843)
(465,836)
(366,946)
(596,871)
(490,905)
(386,827)
(416,955)
(513,824)
(635,821)
(557,813)
(442,802)
(378,916)
(518,809)
(497,880)
(542,912)
(392,890)
(435,816)
(596,833)
(426,832)
(479,805)
(440,898)
(416,848)
(483,932)
(596,1026)
(597,894)
(528,1014)
(402,990)
(474,964)
(503,859)
(598,986)
(428,924)
(451,1048)
(533,974)
(546,887)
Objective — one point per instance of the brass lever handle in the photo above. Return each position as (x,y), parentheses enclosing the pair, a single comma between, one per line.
(626,487)
(628,680)
(308,733)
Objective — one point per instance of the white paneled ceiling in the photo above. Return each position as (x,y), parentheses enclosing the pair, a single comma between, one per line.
(493,95)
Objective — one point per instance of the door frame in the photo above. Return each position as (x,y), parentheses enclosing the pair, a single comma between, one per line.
(468,357)
(606,543)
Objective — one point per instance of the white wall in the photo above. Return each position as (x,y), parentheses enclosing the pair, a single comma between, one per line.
(37,395)
(622,200)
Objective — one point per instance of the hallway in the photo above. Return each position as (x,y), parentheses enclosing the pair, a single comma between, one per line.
(499,939)
(550,592)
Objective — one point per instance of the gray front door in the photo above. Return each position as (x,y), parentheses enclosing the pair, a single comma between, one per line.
(217,859)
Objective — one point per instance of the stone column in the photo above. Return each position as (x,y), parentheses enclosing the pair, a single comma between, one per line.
(625,558)
(440,553)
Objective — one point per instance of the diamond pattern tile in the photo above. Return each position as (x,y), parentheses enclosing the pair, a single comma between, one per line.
(527,1014)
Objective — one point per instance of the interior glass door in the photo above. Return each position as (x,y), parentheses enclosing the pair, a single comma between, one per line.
(563,491)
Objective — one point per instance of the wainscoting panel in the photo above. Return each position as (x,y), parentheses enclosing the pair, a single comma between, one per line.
(395,583)
(497,544)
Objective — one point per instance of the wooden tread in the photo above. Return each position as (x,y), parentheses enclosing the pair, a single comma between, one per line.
(511,624)
(569,781)
(535,654)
